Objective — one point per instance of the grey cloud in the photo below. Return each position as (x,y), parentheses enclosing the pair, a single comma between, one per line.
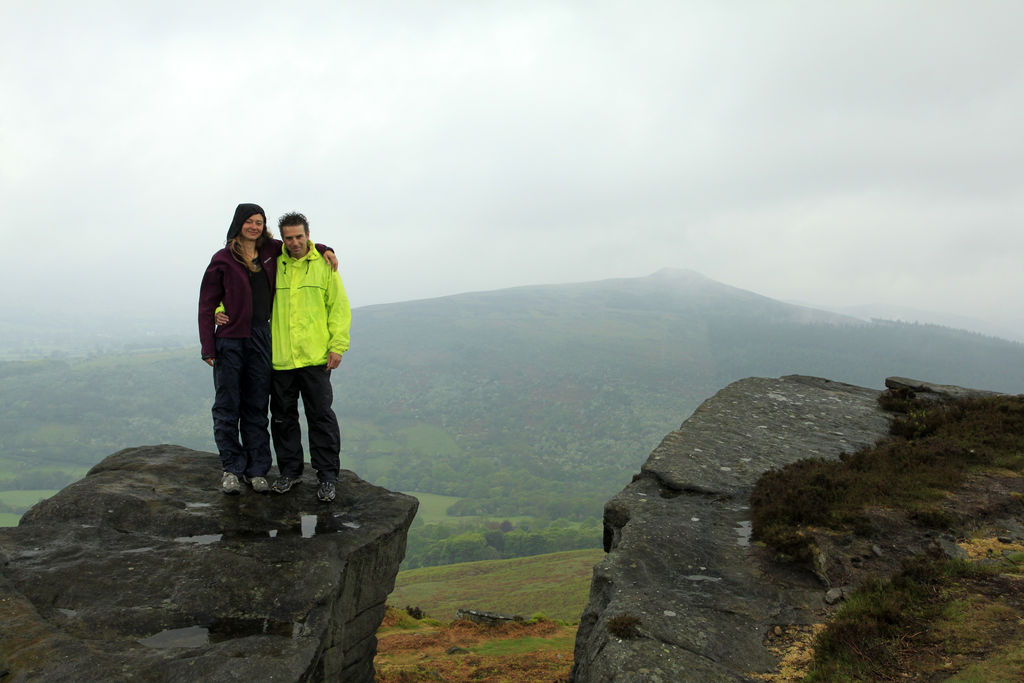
(813,151)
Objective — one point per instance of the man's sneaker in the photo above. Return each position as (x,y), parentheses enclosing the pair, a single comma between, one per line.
(259,484)
(326,493)
(229,484)
(284,484)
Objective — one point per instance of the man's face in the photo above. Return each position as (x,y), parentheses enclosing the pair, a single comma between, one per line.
(295,239)
(252,228)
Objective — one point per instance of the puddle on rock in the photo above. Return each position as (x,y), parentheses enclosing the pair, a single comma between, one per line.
(219,631)
(198,505)
(313,525)
(225,629)
(743,530)
(206,539)
(309,526)
(190,636)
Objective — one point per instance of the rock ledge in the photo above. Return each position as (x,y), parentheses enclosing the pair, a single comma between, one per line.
(680,564)
(143,570)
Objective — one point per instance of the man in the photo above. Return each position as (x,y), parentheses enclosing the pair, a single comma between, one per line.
(309,334)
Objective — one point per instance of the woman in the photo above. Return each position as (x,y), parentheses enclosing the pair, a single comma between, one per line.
(241,276)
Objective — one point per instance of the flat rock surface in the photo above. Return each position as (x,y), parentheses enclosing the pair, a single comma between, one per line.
(144,570)
(679,556)
(925,389)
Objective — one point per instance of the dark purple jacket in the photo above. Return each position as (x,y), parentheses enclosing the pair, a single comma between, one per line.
(226,280)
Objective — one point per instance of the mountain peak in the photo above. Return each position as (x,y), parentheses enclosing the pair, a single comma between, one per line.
(678,273)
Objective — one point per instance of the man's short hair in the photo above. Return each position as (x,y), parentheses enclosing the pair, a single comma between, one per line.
(294,218)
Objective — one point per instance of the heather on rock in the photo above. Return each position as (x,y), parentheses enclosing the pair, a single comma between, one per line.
(784,516)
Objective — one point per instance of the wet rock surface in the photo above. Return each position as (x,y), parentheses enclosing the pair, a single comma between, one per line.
(679,557)
(144,570)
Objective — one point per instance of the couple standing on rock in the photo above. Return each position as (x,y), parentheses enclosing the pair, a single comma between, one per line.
(273,322)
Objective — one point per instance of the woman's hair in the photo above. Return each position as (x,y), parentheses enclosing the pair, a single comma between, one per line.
(235,247)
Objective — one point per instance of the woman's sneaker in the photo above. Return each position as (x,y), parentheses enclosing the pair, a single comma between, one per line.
(229,484)
(258,484)
(326,492)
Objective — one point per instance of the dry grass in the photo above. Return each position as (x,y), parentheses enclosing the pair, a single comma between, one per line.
(464,651)
(793,646)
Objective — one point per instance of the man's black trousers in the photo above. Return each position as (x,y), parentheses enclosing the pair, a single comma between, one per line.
(313,383)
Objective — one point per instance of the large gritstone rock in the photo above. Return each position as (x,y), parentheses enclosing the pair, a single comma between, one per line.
(682,595)
(144,570)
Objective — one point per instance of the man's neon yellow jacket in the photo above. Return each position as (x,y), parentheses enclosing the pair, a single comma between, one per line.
(311,315)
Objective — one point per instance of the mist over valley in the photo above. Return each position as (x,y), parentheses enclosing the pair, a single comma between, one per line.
(531,404)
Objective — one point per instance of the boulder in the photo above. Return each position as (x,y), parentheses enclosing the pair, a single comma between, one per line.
(144,570)
(487,618)
(932,390)
(699,598)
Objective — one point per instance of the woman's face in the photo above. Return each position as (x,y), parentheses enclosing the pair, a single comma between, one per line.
(252,228)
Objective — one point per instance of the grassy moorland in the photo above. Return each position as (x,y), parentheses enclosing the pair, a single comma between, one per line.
(426,643)
(554,585)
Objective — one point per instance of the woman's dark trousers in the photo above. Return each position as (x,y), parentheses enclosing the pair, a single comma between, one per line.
(241,377)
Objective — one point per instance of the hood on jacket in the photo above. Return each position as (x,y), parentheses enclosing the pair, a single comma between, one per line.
(242,213)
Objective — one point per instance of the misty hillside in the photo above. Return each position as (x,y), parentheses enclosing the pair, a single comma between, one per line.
(538,400)
(580,382)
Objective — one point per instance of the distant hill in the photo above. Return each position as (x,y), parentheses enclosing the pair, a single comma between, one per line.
(539,400)
(576,383)
(1007,328)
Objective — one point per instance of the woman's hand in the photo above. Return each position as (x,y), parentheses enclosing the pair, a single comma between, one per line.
(331,258)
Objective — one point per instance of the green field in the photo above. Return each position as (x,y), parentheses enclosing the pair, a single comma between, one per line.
(525,646)
(12,468)
(556,585)
(433,508)
(14,503)
(25,498)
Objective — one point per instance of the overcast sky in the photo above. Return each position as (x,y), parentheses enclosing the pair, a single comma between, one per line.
(831,153)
